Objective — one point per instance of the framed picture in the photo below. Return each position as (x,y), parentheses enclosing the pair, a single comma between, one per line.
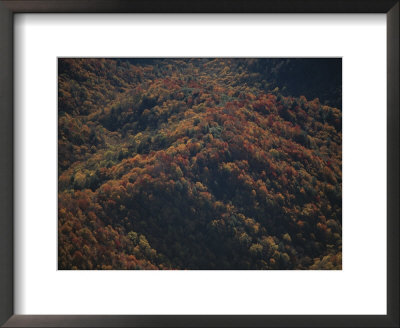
(204,164)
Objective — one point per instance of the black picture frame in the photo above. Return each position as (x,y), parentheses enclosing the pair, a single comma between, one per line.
(7,10)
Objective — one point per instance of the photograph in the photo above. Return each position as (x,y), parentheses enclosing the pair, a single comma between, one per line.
(178,164)
(199,163)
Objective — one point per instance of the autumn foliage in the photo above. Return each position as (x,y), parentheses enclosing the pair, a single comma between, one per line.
(194,164)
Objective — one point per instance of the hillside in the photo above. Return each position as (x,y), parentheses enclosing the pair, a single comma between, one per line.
(198,164)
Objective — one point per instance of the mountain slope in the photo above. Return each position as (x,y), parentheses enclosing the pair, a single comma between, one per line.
(193,164)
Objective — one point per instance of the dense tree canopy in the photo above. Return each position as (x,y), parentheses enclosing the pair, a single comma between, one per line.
(198,164)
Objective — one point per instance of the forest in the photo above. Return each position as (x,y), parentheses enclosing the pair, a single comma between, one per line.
(199,164)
